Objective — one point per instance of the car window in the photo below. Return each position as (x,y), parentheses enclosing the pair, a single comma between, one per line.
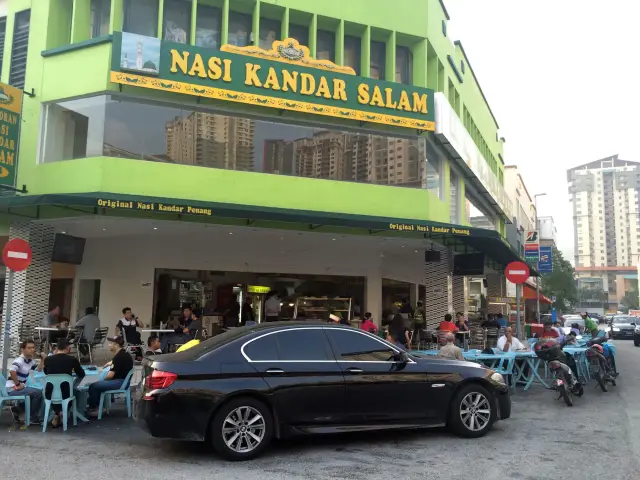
(357,347)
(305,344)
(263,349)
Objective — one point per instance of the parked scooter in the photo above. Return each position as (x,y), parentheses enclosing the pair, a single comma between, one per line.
(563,366)
(602,361)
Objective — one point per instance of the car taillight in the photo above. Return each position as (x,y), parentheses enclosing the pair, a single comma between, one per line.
(159,379)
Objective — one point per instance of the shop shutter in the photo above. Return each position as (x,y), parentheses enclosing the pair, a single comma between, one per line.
(19,49)
(3,32)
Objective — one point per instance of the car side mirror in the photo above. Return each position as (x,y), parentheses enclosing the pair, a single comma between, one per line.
(402,357)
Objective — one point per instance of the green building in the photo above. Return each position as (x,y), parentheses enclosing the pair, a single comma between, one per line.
(207,151)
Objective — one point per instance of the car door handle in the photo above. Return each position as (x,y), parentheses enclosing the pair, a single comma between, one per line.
(354,371)
(274,371)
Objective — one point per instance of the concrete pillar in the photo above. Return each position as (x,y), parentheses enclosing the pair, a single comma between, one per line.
(30,296)
(413,295)
(373,297)
(496,287)
(437,280)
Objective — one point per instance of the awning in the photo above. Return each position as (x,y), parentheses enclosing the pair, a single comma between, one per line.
(461,239)
(530,294)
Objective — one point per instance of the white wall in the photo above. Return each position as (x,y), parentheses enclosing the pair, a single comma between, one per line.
(124,263)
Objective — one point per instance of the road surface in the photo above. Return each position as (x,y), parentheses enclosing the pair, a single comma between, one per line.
(598,438)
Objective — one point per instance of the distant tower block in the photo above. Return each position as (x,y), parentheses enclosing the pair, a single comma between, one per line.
(125,62)
(139,57)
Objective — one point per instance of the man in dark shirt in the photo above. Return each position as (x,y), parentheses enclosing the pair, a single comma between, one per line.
(121,365)
(61,363)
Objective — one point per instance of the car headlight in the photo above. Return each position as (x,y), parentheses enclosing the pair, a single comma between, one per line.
(496,377)
(616,329)
(637,330)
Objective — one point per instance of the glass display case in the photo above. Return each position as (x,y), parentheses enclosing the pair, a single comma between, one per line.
(319,308)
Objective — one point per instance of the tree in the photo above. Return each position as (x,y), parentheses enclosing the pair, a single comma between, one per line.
(630,299)
(560,283)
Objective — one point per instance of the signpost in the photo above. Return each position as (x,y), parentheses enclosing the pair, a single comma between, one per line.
(517,273)
(17,257)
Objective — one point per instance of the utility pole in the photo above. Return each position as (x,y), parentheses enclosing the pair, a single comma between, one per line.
(539,280)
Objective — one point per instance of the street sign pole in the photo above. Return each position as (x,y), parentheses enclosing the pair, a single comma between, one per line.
(538,297)
(17,257)
(518,327)
(7,324)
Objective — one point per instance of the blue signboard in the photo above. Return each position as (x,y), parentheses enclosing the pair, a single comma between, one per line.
(545,264)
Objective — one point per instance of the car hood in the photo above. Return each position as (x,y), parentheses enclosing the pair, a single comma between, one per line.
(626,326)
(447,362)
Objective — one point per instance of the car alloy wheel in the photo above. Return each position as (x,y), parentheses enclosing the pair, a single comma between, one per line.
(243,429)
(475,411)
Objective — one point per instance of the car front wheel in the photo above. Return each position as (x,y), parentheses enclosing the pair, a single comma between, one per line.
(472,412)
(242,429)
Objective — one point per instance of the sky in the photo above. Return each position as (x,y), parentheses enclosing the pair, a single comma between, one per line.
(561,77)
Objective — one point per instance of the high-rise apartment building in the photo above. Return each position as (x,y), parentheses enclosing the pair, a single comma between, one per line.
(278,157)
(211,140)
(604,197)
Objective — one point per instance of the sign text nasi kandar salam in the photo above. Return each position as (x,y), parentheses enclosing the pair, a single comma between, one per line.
(285,77)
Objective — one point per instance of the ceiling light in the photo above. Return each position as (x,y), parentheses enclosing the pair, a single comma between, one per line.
(333,239)
(155,228)
(230,233)
(104,229)
(416,251)
(64,232)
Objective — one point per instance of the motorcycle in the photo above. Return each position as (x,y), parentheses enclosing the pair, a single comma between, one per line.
(602,362)
(563,366)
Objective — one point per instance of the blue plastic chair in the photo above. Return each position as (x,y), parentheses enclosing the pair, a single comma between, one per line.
(56,381)
(4,397)
(505,367)
(124,389)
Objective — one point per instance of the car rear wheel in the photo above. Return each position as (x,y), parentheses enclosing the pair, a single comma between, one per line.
(242,429)
(472,412)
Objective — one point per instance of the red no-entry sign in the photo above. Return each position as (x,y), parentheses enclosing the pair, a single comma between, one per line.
(17,255)
(517,272)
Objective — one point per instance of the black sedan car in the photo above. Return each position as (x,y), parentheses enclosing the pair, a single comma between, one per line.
(623,326)
(242,388)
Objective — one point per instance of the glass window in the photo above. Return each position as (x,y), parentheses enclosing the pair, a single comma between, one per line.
(453,193)
(145,130)
(300,33)
(141,17)
(262,349)
(304,345)
(3,33)
(208,26)
(269,32)
(326,46)
(20,49)
(404,65)
(100,17)
(239,29)
(356,347)
(352,52)
(176,20)
(378,60)
(433,171)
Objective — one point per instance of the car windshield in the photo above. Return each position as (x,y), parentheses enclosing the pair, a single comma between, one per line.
(624,320)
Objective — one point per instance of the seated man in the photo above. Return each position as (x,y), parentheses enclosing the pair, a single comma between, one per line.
(16,385)
(490,322)
(153,346)
(190,324)
(450,350)
(509,343)
(89,324)
(548,331)
(61,363)
(121,365)
(447,325)
(500,320)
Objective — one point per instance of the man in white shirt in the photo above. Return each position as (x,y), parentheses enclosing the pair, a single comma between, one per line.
(272,307)
(509,343)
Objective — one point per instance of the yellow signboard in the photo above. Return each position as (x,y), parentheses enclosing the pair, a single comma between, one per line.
(258,289)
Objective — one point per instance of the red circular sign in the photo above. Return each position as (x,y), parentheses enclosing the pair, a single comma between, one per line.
(17,255)
(517,272)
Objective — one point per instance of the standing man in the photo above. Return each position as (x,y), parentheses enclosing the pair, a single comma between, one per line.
(272,307)
(89,324)
(121,365)
(61,363)
(16,385)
